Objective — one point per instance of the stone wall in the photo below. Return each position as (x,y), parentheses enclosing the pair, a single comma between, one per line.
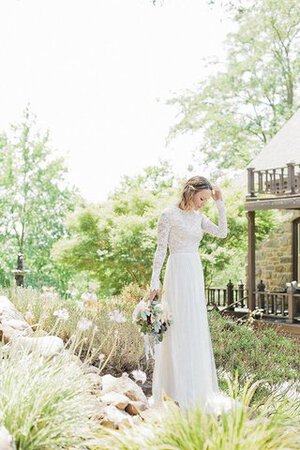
(274,255)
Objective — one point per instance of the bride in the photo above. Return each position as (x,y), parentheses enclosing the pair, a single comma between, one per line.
(184,364)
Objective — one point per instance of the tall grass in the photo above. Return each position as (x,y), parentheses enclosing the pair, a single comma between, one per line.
(263,353)
(129,348)
(273,425)
(46,402)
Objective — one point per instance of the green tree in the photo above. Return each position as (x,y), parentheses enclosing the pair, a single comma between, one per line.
(34,199)
(240,108)
(114,243)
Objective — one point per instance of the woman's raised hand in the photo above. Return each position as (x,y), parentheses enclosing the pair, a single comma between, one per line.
(216,193)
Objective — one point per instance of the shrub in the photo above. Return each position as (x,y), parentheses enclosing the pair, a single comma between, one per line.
(46,403)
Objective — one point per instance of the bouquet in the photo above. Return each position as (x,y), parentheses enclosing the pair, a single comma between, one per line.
(152,319)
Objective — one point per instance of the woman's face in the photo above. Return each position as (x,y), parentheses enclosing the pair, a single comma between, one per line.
(201,197)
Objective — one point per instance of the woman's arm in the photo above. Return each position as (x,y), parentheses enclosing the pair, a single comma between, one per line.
(163,229)
(219,230)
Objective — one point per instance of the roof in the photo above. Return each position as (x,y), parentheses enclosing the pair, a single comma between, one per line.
(284,147)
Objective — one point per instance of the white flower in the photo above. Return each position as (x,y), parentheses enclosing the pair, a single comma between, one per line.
(71,289)
(92,286)
(141,306)
(101,357)
(62,314)
(139,375)
(116,316)
(84,324)
(165,316)
(49,294)
(89,296)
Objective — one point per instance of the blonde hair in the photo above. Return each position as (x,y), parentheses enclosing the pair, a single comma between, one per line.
(190,188)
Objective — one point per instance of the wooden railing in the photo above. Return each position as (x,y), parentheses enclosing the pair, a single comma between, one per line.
(284,305)
(279,181)
(228,297)
(276,305)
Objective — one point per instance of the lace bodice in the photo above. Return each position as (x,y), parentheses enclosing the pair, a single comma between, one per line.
(182,231)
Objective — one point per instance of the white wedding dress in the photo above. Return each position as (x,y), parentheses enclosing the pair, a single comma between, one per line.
(184,366)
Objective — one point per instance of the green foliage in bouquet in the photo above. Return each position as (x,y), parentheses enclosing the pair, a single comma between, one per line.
(152,318)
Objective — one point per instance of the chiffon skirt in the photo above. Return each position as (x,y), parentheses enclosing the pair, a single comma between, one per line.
(184,364)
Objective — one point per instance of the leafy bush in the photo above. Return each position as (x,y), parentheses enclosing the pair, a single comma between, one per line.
(261,352)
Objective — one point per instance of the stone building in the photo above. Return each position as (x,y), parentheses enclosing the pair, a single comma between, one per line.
(273,265)
(274,183)
(274,256)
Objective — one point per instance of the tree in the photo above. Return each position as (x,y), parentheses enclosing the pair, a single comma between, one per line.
(34,200)
(240,108)
(114,243)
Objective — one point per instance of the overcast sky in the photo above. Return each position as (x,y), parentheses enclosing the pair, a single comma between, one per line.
(93,72)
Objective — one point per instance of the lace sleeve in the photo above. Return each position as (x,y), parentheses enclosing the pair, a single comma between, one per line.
(163,228)
(219,230)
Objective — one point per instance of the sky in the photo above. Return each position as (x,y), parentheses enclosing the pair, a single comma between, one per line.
(97,74)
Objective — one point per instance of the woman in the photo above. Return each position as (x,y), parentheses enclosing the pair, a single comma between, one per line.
(184,367)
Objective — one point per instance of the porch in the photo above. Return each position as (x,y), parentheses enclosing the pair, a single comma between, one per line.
(279,308)
(273,189)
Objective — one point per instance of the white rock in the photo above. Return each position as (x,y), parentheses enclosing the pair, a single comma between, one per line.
(123,385)
(6,440)
(92,369)
(17,324)
(108,383)
(44,345)
(134,408)
(12,322)
(74,358)
(95,381)
(116,416)
(116,399)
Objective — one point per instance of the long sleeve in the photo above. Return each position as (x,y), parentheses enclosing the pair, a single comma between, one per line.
(219,230)
(163,229)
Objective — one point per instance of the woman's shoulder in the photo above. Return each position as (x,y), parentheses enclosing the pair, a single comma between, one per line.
(168,211)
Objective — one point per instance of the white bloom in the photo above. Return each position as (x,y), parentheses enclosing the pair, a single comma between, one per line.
(101,357)
(165,316)
(49,294)
(141,306)
(62,314)
(116,316)
(84,324)
(71,289)
(92,286)
(89,296)
(139,375)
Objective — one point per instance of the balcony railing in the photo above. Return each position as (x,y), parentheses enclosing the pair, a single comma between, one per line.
(272,304)
(276,182)
(228,297)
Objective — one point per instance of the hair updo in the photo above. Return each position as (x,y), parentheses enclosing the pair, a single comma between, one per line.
(190,188)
